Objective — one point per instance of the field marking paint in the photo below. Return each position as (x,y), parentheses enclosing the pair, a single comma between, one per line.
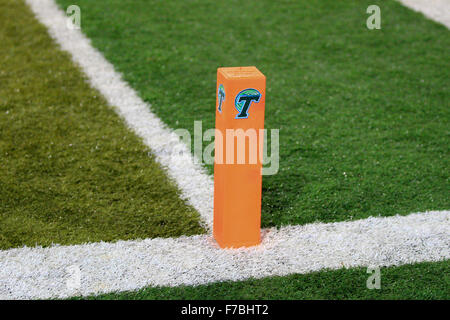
(130,265)
(28,273)
(437,10)
(195,184)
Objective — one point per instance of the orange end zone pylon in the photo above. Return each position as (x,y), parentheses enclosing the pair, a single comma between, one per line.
(240,104)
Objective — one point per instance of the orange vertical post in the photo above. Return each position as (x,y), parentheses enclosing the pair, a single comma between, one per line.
(240,107)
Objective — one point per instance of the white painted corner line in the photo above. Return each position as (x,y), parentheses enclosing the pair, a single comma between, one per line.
(27,273)
(437,10)
(195,184)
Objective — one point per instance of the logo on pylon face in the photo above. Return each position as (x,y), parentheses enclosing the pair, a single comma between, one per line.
(243,101)
(221,95)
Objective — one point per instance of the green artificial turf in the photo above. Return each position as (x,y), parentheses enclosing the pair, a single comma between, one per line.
(363,114)
(428,280)
(71,172)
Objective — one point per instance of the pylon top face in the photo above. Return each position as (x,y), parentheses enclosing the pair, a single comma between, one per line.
(240,72)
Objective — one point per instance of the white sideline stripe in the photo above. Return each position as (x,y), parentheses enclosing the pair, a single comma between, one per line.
(195,184)
(28,273)
(437,10)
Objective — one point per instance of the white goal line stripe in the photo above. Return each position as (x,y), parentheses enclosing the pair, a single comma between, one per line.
(28,273)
